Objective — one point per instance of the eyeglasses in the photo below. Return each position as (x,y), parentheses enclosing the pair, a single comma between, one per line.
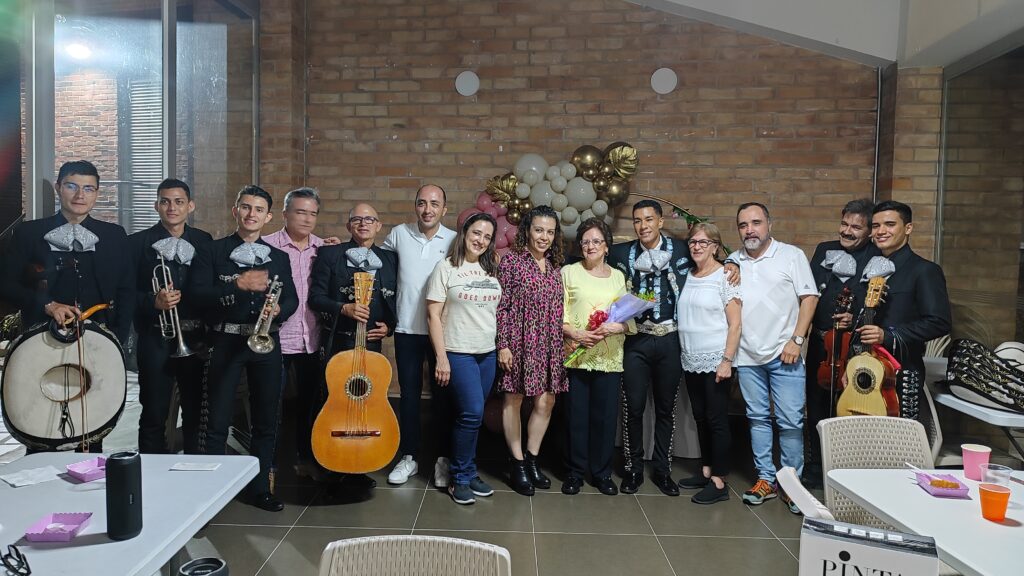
(594,243)
(15,561)
(73,188)
(701,243)
(357,220)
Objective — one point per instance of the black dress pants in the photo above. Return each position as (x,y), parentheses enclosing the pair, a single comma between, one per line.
(158,374)
(710,402)
(310,395)
(411,351)
(650,361)
(593,400)
(229,355)
(819,400)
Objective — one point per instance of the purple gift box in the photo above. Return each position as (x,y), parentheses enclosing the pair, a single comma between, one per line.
(924,481)
(88,470)
(58,527)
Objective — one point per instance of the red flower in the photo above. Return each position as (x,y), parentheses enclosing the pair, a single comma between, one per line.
(597,318)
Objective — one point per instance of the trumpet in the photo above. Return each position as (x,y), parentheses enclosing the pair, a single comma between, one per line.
(260,342)
(170,322)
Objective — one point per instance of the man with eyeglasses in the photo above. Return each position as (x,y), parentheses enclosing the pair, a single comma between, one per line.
(59,266)
(332,292)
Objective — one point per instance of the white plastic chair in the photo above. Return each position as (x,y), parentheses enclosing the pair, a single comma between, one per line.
(868,442)
(414,556)
(809,506)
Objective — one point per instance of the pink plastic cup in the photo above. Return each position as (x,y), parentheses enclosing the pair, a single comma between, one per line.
(974,456)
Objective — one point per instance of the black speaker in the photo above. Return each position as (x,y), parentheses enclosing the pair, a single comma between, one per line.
(124,495)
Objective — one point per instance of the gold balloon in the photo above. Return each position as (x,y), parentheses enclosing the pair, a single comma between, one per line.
(618,190)
(601,185)
(502,188)
(589,173)
(513,217)
(525,205)
(606,169)
(623,159)
(586,156)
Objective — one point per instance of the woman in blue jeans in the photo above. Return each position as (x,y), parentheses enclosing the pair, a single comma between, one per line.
(462,302)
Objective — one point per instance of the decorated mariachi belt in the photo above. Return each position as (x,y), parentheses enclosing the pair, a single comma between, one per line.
(653,329)
(240,329)
(187,325)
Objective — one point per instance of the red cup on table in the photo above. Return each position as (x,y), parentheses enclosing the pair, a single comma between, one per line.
(974,456)
(994,491)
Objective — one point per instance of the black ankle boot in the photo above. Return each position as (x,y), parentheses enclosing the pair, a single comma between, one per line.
(517,477)
(537,478)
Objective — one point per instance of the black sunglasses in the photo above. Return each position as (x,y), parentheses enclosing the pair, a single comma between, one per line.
(15,561)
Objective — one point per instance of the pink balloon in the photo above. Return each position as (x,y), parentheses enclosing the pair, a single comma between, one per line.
(484,201)
(502,210)
(510,234)
(501,251)
(466,214)
(503,225)
(492,210)
(501,242)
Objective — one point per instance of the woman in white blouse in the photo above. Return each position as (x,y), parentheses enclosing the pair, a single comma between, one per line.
(709,332)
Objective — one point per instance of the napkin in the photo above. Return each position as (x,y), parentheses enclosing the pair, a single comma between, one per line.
(31,476)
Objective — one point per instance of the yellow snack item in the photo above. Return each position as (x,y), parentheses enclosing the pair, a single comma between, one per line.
(940,483)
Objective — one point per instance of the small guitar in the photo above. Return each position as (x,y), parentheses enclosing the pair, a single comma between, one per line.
(837,347)
(356,431)
(870,376)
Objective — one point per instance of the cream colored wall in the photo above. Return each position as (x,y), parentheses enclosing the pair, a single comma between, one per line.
(940,32)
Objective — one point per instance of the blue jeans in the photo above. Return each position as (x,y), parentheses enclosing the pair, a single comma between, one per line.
(471,381)
(785,383)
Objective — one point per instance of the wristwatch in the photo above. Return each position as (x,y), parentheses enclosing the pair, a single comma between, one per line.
(799,340)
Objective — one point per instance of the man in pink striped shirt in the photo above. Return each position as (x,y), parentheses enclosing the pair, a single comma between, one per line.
(300,334)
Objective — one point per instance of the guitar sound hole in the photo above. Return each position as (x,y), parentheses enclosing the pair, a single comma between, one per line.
(358,387)
(864,381)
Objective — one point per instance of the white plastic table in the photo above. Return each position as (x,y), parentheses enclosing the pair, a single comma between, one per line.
(175,505)
(969,543)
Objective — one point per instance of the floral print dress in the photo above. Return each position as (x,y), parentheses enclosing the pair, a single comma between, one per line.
(530,325)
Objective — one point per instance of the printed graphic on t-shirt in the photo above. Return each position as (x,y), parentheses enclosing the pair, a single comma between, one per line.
(477,287)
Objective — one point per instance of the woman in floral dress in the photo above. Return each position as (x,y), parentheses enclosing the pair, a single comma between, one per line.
(530,340)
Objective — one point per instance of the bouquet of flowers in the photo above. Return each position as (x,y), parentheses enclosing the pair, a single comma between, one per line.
(621,310)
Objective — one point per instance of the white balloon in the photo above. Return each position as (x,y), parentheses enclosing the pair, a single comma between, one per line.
(562,164)
(609,219)
(580,193)
(553,172)
(600,208)
(559,201)
(531,177)
(522,190)
(541,194)
(559,183)
(568,171)
(570,215)
(586,215)
(534,162)
(569,230)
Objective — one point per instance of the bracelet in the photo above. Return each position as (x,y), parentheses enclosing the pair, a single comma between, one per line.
(727,359)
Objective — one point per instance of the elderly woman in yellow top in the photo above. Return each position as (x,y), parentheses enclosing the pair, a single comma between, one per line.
(594,375)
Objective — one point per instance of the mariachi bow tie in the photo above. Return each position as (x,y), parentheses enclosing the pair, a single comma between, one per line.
(652,261)
(841,263)
(250,254)
(878,266)
(71,238)
(364,259)
(177,249)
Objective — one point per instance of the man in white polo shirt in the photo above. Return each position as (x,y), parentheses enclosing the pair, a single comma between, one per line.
(779,297)
(420,246)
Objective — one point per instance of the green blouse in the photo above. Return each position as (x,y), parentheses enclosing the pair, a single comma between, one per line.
(585,294)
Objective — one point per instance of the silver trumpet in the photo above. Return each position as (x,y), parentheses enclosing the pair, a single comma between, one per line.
(170,322)
(260,342)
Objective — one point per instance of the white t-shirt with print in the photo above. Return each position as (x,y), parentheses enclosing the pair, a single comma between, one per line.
(470,299)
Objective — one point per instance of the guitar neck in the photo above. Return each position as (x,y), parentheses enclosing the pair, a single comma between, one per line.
(360,335)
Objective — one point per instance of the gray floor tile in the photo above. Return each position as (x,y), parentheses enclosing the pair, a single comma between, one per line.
(782,522)
(295,498)
(519,545)
(502,512)
(793,545)
(587,555)
(680,516)
(589,513)
(244,548)
(299,553)
(387,509)
(764,557)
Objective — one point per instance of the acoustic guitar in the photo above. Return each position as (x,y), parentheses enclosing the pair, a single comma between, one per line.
(870,375)
(356,431)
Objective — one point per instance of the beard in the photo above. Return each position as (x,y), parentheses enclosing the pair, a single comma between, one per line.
(752,243)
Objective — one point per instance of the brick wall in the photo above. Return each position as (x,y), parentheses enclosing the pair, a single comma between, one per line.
(752,119)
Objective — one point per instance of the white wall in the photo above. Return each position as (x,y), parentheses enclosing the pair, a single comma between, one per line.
(940,32)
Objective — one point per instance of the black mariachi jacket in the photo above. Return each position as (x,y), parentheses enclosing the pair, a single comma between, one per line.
(145,260)
(622,257)
(30,272)
(330,287)
(212,288)
(830,286)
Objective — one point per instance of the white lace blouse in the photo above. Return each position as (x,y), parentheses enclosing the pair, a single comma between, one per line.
(702,324)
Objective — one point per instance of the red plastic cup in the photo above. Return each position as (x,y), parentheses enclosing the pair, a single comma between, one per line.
(974,456)
(994,500)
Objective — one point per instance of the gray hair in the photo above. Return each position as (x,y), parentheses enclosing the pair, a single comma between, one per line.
(301,193)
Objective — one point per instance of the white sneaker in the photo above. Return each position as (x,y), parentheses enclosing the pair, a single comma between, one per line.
(441,473)
(406,467)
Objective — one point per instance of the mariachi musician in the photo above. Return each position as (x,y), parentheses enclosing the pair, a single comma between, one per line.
(60,266)
(231,282)
(162,256)
(836,264)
